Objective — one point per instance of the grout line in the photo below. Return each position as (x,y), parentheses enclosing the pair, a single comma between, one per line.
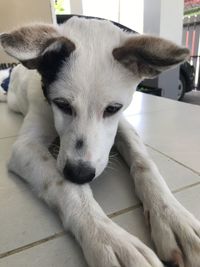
(123,211)
(112,215)
(139,205)
(62,233)
(167,156)
(185,187)
(7,137)
(33,244)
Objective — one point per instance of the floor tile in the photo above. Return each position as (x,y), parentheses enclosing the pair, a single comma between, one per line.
(190,199)
(64,251)
(175,175)
(145,103)
(5,148)
(175,133)
(24,219)
(114,189)
(10,122)
(134,223)
(7,182)
(61,252)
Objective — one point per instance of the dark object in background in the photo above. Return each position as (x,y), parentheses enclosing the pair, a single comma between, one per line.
(186,82)
(6,81)
(4,66)
(186,79)
(149,90)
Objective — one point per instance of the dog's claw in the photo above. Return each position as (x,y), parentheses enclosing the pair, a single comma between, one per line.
(176,261)
(117,248)
(170,264)
(182,232)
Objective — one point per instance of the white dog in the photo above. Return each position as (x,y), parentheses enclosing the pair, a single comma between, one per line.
(83,76)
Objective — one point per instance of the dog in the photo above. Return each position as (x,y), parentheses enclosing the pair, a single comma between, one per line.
(75,81)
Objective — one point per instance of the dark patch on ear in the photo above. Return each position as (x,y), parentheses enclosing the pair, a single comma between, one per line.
(49,62)
(129,59)
(147,56)
(28,38)
(8,39)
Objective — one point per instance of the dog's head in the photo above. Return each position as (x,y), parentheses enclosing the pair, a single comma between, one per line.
(89,71)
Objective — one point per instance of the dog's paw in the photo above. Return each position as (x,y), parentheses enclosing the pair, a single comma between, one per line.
(176,235)
(110,246)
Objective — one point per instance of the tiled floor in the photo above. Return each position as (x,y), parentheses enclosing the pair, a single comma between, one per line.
(32,236)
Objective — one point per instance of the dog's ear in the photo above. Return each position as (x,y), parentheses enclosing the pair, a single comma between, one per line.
(37,46)
(147,56)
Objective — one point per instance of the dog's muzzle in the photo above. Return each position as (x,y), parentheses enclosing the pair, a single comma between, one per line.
(79,172)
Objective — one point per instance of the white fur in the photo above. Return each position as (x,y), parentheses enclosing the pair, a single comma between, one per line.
(92,80)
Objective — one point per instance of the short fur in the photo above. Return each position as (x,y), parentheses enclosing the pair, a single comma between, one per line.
(97,68)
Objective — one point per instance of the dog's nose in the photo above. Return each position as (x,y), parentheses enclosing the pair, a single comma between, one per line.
(79,173)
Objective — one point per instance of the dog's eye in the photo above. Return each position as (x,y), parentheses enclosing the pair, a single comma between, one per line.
(63,105)
(111,110)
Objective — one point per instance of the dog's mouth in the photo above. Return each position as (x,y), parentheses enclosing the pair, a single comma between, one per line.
(55,147)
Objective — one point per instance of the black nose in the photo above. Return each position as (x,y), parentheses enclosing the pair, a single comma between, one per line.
(79,173)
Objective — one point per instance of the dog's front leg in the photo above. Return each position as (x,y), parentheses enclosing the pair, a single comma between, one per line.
(175,232)
(104,243)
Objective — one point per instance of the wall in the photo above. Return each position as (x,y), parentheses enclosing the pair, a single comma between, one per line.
(19,12)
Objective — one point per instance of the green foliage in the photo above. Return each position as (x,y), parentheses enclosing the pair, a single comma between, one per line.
(59,6)
(192,12)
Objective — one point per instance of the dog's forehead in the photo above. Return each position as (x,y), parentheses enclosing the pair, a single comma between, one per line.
(91,86)
(90,32)
(92,73)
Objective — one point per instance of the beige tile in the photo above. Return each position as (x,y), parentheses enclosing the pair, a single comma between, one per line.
(8,182)
(64,251)
(175,175)
(61,252)
(190,199)
(145,103)
(114,189)
(175,133)
(24,219)
(5,148)
(134,223)
(10,121)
